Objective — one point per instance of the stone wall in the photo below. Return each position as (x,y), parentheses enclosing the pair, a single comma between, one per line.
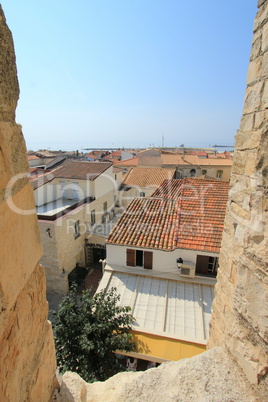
(240,309)
(27,350)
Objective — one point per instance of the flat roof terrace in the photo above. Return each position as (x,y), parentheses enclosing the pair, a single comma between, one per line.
(56,209)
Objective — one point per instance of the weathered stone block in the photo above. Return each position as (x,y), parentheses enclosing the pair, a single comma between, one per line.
(9,94)
(224,261)
(23,349)
(250,287)
(232,246)
(261,117)
(13,162)
(264,67)
(261,17)
(247,122)
(245,162)
(254,70)
(261,2)
(247,140)
(264,42)
(256,46)
(264,100)
(253,98)
(21,237)
(242,216)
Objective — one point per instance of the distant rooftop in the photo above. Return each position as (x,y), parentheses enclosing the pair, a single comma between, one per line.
(81,170)
(147,177)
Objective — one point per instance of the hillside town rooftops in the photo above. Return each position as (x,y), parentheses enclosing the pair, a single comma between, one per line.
(187,213)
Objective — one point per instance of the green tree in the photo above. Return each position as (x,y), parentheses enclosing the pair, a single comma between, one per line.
(87,332)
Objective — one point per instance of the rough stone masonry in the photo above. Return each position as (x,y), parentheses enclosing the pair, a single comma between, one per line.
(27,356)
(240,308)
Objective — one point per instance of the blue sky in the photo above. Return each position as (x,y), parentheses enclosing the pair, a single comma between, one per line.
(120,73)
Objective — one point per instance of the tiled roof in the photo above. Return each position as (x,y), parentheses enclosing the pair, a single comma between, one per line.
(81,170)
(127,162)
(201,213)
(187,160)
(147,177)
(189,214)
(117,169)
(147,222)
(58,160)
(41,180)
(169,189)
(32,157)
(215,162)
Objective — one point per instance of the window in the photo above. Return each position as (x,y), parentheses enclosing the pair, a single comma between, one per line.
(206,265)
(63,190)
(142,194)
(192,172)
(93,217)
(105,207)
(204,171)
(219,174)
(75,188)
(139,258)
(179,174)
(76,230)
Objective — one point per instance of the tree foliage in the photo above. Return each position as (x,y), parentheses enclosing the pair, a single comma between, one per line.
(87,332)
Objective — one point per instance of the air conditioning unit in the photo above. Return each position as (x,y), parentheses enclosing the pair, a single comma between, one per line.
(187,270)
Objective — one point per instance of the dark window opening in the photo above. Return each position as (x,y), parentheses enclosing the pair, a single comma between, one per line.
(192,172)
(76,230)
(139,258)
(206,265)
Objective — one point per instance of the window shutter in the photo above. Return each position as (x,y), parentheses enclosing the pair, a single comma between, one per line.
(131,257)
(202,264)
(148,260)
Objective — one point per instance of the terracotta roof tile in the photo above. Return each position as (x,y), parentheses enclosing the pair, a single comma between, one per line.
(147,177)
(187,213)
(127,162)
(81,170)
(187,160)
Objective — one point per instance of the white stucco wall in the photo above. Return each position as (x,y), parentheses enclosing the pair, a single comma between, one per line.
(46,193)
(163,261)
(105,183)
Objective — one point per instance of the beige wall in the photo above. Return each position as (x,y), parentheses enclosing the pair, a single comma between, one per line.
(27,352)
(63,251)
(211,171)
(125,197)
(240,319)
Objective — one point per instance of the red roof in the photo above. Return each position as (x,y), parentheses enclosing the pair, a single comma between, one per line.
(127,162)
(147,177)
(187,213)
(81,170)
